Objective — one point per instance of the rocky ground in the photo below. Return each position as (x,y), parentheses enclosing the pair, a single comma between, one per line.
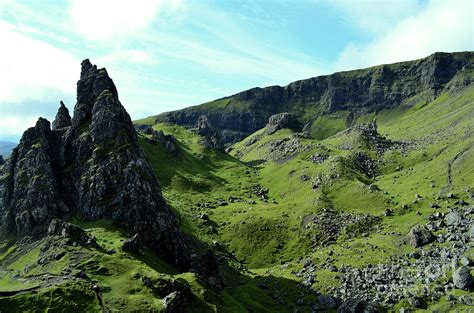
(439,265)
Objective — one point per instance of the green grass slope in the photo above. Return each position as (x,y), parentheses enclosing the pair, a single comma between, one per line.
(268,235)
(256,208)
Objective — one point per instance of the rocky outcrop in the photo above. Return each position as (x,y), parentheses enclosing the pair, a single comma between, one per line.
(175,302)
(91,167)
(360,91)
(370,138)
(169,142)
(281,121)
(63,119)
(132,244)
(32,194)
(74,234)
(211,137)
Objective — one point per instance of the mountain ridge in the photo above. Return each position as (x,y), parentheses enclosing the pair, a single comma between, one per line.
(355,92)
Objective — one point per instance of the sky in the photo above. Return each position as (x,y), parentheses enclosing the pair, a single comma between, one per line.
(165,55)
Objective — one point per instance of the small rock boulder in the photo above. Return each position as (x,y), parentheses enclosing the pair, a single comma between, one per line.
(453,218)
(146,129)
(326,303)
(175,302)
(462,278)
(132,244)
(357,305)
(420,236)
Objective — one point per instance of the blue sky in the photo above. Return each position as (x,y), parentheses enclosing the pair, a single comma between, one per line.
(166,55)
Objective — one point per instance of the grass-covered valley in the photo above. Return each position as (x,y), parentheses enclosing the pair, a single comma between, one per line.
(361,211)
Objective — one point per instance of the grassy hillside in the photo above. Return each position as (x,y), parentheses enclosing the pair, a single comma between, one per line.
(271,235)
(288,215)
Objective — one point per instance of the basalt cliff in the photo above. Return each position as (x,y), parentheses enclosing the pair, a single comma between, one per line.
(355,93)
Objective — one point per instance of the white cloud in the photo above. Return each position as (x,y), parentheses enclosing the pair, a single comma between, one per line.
(375,16)
(33,72)
(31,69)
(108,19)
(439,26)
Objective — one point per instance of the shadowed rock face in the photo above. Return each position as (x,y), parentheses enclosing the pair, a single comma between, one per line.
(32,188)
(92,167)
(360,91)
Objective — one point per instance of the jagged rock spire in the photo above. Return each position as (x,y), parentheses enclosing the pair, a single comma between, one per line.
(92,83)
(32,196)
(63,119)
(95,169)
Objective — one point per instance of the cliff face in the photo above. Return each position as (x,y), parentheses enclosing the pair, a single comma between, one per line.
(360,91)
(92,167)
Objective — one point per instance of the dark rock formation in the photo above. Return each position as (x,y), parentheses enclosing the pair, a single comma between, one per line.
(211,137)
(419,236)
(73,233)
(32,196)
(281,121)
(169,142)
(370,137)
(356,306)
(146,129)
(360,91)
(363,163)
(94,169)
(132,244)
(63,119)
(175,302)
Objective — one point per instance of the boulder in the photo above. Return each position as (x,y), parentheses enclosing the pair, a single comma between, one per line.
(73,233)
(462,278)
(132,244)
(175,302)
(356,306)
(420,236)
(453,218)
